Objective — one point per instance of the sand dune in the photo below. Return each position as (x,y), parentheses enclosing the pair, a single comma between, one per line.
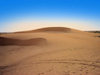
(49,29)
(50,51)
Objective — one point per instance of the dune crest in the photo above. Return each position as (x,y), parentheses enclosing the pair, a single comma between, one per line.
(48,29)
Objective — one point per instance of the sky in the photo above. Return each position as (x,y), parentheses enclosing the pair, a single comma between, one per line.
(20,15)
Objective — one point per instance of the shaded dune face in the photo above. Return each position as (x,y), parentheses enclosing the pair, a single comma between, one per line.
(49,29)
(9,41)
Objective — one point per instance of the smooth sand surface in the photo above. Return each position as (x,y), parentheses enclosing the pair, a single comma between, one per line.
(64,53)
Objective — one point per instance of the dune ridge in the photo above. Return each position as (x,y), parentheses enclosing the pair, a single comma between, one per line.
(48,29)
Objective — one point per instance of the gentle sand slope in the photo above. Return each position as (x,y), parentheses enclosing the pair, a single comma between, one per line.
(57,51)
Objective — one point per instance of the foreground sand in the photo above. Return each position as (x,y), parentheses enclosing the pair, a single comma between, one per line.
(72,53)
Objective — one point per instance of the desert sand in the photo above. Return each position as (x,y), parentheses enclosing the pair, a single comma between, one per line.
(50,51)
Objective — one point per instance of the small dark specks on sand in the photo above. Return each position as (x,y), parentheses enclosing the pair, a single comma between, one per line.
(82,68)
(41,73)
(86,72)
(1,73)
(49,70)
(73,72)
(66,72)
(93,68)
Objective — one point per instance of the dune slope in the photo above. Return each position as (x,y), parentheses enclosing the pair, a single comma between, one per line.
(66,52)
(9,41)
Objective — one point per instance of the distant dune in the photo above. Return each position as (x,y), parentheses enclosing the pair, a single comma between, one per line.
(49,29)
(50,51)
(94,31)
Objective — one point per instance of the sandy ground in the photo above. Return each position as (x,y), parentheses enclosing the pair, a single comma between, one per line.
(72,53)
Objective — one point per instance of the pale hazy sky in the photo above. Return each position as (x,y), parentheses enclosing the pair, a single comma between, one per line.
(35,24)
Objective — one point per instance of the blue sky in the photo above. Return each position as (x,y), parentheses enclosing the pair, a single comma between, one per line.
(17,11)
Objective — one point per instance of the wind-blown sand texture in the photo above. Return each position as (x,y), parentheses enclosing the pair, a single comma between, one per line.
(50,51)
